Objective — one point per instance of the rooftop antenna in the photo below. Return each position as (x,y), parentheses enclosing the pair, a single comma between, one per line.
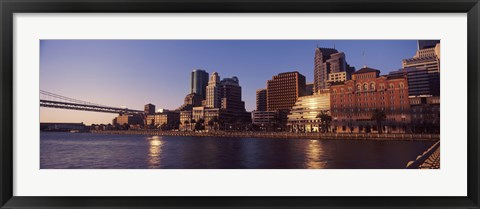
(334,46)
(364,65)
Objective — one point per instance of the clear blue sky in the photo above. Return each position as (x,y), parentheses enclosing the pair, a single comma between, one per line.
(136,72)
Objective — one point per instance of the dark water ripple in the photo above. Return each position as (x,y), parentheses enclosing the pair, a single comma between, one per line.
(97,151)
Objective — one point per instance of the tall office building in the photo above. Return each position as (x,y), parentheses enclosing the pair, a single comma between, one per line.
(309,89)
(328,61)
(231,94)
(198,82)
(428,58)
(261,99)
(420,81)
(213,99)
(424,44)
(284,89)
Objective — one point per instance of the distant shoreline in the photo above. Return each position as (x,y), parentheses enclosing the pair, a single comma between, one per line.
(282,135)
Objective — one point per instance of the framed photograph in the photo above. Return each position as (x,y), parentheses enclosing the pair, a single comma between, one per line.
(238,104)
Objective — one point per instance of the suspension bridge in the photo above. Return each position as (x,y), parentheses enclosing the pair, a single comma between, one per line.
(51,100)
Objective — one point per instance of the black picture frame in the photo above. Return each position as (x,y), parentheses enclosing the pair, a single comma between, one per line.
(9,7)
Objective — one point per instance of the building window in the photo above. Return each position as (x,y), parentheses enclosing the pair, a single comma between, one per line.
(390,86)
(372,86)
(401,85)
(365,86)
(359,88)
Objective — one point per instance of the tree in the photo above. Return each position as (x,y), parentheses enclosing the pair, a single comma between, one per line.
(164,126)
(177,125)
(199,124)
(325,120)
(211,123)
(379,116)
(221,123)
(192,122)
(215,122)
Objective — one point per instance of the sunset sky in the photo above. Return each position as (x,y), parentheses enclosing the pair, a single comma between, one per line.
(133,73)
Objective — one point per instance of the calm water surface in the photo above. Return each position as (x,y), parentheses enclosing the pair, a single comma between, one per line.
(93,151)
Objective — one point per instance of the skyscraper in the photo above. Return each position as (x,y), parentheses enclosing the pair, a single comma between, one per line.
(328,61)
(423,44)
(309,89)
(284,89)
(261,99)
(420,81)
(198,82)
(231,95)
(428,58)
(213,91)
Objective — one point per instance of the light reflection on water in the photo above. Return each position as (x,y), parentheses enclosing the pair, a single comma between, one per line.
(314,153)
(94,151)
(154,151)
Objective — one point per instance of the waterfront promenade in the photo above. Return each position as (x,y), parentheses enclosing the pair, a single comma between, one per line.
(283,135)
(430,159)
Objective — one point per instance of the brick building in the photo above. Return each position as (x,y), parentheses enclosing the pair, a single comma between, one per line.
(354,102)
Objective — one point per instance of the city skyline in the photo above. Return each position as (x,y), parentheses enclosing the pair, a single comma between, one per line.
(133,73)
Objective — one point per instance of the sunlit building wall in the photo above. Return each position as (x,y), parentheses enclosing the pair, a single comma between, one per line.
(213,99)
(326,61)
(303,116)
(428,58)
(354,103)
(283,90)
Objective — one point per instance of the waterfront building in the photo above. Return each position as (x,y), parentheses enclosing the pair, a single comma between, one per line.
(149,109)
(198,82)
(128,119)
(150,120)
(185,119)
(308,89)
(304,114)
(265,119)
(354,103)
(167,120)
(425,112)
(420,81)
(198,113)
(62,127)
(282,93)
(261,95)
(328,61)
(428,58)
(213,99)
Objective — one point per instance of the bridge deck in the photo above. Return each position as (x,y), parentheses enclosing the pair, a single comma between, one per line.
(85,107)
